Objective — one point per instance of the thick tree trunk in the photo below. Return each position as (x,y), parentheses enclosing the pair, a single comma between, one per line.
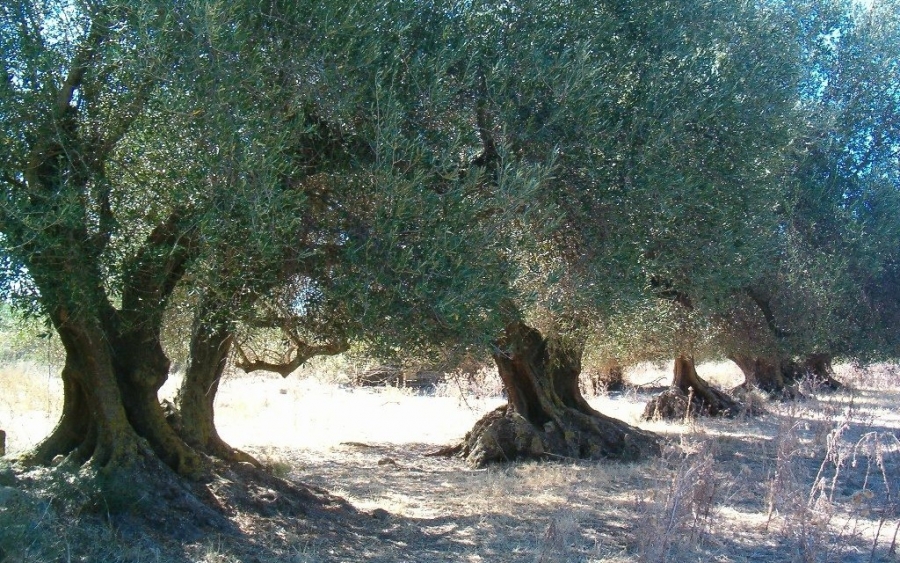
(210,346)
(773,376)
(142,369)
(94,424)
(690,394)
(546,417)
(781,378)
(610,378)
(817,368)
(114,366)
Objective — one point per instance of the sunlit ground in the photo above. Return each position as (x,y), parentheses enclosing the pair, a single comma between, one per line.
(301,411)
(814,480)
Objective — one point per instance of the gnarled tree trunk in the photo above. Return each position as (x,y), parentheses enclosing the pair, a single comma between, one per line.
(770,375)
(109,413)
(195,416)
(690,393)
(780,378)
(610,378)
(817,368)
(115,364)
(546,417)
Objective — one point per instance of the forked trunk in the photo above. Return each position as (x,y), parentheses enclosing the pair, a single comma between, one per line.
(110,406)
(690,395)
(546,417)
(210,346)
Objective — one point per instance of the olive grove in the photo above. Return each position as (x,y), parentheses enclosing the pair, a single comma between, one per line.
(535,179)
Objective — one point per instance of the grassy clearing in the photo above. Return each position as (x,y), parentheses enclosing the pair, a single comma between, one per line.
(810,481)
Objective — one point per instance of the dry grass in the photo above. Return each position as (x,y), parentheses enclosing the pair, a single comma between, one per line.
(811,481)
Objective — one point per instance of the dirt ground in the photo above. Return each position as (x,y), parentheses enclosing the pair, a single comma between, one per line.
(815,480)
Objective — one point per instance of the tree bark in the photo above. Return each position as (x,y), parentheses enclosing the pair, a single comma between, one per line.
(610,378)
(94,425)
(690,395)
(210,345)
(817,367)
(781,378)
(773,376)
(75,422)
(115,363)
(546,417)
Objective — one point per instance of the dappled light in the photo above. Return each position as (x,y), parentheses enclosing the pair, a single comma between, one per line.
(424,281)
(814,477)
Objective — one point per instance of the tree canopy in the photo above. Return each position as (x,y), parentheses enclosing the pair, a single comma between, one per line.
(527,177)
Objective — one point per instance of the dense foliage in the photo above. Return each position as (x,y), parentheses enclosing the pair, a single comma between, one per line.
(653,178)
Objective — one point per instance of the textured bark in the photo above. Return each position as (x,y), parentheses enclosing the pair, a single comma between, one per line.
(770,375)
(546,417)
(74,424)
(210,346)
(817,367)
(94,424)
(610,378)
(115,364)
(781,378)
(690,394)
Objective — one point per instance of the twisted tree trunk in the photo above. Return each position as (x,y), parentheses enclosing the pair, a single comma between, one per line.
(110,413)
(691,395)
(115,363)
(546,417)
(195,416)
(780,378)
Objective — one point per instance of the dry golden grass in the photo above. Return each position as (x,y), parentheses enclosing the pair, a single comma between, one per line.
(30,403)
(811,481)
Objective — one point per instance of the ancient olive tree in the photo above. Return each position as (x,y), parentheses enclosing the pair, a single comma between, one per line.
(837,238)
(228,154)
(78,79)
(663,135)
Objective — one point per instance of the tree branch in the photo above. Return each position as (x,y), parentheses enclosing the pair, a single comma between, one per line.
(156,269)
(80,64)
(763,303)
(297,355)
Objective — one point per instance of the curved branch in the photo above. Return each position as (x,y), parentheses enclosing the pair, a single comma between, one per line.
(765,307)
(299,354)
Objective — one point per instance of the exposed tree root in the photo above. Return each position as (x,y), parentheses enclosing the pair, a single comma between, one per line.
(690,395)
(546,416)
(503,436)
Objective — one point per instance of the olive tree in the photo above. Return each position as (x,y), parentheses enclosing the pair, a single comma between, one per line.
(822,294)
(665,136)
(211,156)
